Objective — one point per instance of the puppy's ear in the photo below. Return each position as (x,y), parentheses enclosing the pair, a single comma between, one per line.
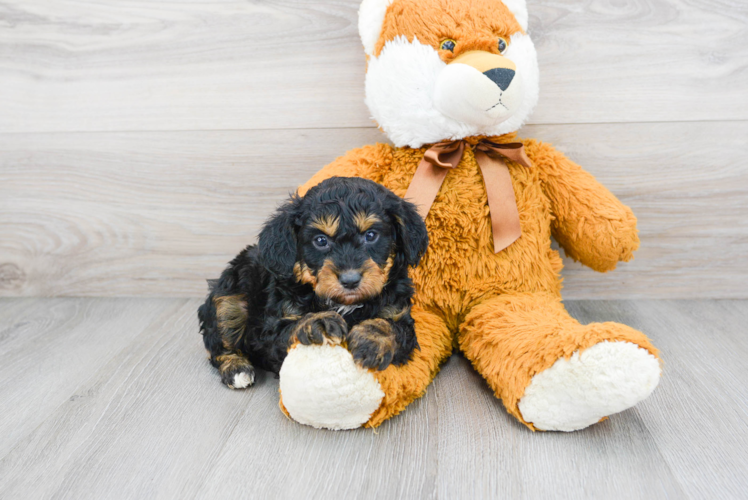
(277,242)
(411,235)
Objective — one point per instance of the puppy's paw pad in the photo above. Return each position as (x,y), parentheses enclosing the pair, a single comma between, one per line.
(321,328)
(238,378)
(242,380)
(372,344)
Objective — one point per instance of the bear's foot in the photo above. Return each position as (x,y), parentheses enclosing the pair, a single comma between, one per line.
(323,387)
(607,378)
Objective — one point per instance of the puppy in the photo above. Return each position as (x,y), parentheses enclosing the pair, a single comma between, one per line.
(331,267)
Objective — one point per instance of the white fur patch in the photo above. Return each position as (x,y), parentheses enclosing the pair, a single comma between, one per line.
(607,378)
(343,310)
(370,19)
(321,386)
(465,94)
(242,380)
(400,89)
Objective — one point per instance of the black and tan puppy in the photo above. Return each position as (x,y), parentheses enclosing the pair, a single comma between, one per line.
(329,267)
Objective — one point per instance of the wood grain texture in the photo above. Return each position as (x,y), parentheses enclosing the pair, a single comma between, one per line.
(148,423)
(153,421)
(73,65)
(698,415)
(490,455)
(155,214)
(52,347)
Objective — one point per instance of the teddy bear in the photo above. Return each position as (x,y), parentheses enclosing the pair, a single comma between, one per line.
(450,82)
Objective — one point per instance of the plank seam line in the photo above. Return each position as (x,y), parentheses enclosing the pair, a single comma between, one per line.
(140,131)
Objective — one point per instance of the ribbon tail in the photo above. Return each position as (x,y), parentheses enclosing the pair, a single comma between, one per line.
(424,186)
(502,202)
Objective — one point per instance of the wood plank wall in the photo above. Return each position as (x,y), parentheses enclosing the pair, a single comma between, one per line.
(142,143)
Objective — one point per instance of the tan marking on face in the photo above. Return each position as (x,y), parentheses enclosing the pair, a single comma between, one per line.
(328,224)
(304,275)
(473,25)
(388,266)
(328,285)
(231,316)
(364,221)
(373,279)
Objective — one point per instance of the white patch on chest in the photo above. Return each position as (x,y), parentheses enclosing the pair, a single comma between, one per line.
(343,309)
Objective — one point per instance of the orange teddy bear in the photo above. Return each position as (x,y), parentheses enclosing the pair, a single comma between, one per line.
(450,82)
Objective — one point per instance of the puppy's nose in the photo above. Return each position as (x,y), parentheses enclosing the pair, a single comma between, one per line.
(500,76)
(350,279)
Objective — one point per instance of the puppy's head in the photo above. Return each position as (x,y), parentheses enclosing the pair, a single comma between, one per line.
(448,69)
(344,238)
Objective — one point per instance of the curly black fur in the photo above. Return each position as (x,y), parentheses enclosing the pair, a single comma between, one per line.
(299,282)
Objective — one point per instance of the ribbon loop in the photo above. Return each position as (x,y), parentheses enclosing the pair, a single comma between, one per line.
(502,204)
(445,154)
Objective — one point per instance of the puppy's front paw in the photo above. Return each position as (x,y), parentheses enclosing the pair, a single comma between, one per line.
(236,372)
(372,343)
(320,328)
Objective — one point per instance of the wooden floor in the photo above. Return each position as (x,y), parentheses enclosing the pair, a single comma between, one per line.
(113,398)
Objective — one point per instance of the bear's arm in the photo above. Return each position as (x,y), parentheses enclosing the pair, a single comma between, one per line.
(369,162)
(591,224)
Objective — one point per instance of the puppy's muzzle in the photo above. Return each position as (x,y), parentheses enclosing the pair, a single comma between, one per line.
(350,279)
(351,286)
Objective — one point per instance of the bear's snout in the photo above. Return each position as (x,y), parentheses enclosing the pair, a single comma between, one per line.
(478,88)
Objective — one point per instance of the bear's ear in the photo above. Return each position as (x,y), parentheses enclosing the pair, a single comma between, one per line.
(370,20)
(519,9)
(277,241)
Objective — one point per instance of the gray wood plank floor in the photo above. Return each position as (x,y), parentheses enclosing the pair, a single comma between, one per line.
(113,398)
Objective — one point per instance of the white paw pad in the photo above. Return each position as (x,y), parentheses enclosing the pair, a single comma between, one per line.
(607,378)
(242,380)
(323,387)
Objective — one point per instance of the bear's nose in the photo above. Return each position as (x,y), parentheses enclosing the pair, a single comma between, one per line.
(500,76)
(350,279)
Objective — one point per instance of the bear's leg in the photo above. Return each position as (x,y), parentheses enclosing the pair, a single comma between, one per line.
(551,372)
(403,384)
(323,387)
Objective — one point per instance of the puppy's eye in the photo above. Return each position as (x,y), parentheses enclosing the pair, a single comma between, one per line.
(502,45)
(448,44)
(321,242)
(371,236)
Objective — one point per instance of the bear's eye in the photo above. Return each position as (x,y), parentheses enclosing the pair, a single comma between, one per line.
(448,44)
(502,45)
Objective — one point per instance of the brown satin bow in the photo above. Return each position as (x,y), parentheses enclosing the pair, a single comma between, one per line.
(433,168)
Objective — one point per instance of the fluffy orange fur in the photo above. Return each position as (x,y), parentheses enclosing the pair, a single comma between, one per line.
(502,309)
(476,24)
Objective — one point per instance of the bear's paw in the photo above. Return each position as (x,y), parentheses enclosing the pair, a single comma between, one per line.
(323,387)
(607,378)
